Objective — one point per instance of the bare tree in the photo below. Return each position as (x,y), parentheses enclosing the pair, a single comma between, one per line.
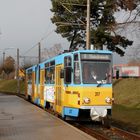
(131,16)
(51,52)
(9,65)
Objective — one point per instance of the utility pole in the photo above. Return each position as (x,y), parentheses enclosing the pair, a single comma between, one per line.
(39,52)
(88,26)
(18,80)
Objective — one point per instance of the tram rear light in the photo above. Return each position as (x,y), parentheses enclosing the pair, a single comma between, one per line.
(108,100)
(86,100)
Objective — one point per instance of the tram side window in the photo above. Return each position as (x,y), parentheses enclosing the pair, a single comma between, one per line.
(52,76)
(50,72)
(47,75)
(30,77)
(77,79)
(68,69)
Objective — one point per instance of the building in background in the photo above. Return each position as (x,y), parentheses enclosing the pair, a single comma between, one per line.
(126,71)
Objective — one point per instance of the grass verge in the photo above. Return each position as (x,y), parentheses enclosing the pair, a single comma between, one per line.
(126,109)
(128,117)
(10,86)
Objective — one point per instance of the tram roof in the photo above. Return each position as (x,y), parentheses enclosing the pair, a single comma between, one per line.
(59,59)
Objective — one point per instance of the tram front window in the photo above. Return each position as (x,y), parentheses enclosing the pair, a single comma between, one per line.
(94,72)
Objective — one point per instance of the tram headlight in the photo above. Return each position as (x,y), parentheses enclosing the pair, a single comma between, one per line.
(108,100)
(86,100)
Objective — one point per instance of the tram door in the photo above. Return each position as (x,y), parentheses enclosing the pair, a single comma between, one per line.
(42,73)
(58,90)
(37,83)
(33,85)
(29,83)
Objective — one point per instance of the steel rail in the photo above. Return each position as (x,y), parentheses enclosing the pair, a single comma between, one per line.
(90,131)
(125,134)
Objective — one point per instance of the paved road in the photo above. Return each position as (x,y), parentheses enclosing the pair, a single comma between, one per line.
(20,120)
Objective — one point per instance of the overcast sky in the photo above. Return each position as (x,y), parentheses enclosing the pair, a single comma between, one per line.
(23,23)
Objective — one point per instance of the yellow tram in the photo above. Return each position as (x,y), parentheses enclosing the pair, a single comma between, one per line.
(76,85)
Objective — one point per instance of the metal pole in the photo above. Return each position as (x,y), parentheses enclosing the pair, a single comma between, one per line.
(18,80)
(39,52)
(88,26)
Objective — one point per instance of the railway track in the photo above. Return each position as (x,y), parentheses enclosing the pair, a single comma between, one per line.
(126,134)
(102,133)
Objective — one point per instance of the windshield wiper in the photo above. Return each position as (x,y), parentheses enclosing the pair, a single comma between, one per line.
(102,81)
(100,84)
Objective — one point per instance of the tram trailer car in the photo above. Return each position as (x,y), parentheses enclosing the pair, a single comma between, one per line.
(76,85)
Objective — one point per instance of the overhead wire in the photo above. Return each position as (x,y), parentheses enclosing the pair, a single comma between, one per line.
(44,37)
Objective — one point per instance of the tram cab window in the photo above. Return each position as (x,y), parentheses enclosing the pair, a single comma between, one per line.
(96,72)
(68,69)
(77,79)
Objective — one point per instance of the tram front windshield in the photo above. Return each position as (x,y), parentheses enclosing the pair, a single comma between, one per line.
(96,72)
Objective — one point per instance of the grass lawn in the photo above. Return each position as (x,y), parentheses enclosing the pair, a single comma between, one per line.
(127,116)
(127,103)
(10,86)
(127,92)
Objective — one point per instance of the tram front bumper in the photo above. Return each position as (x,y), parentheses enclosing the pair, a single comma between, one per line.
(97,112)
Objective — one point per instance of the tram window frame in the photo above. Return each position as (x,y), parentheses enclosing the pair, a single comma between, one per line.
(77,78)
(49,75)
(67,70)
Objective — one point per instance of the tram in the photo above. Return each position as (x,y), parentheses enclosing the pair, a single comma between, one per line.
(76,85)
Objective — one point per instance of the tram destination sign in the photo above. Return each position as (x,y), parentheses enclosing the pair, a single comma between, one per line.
(95,57)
